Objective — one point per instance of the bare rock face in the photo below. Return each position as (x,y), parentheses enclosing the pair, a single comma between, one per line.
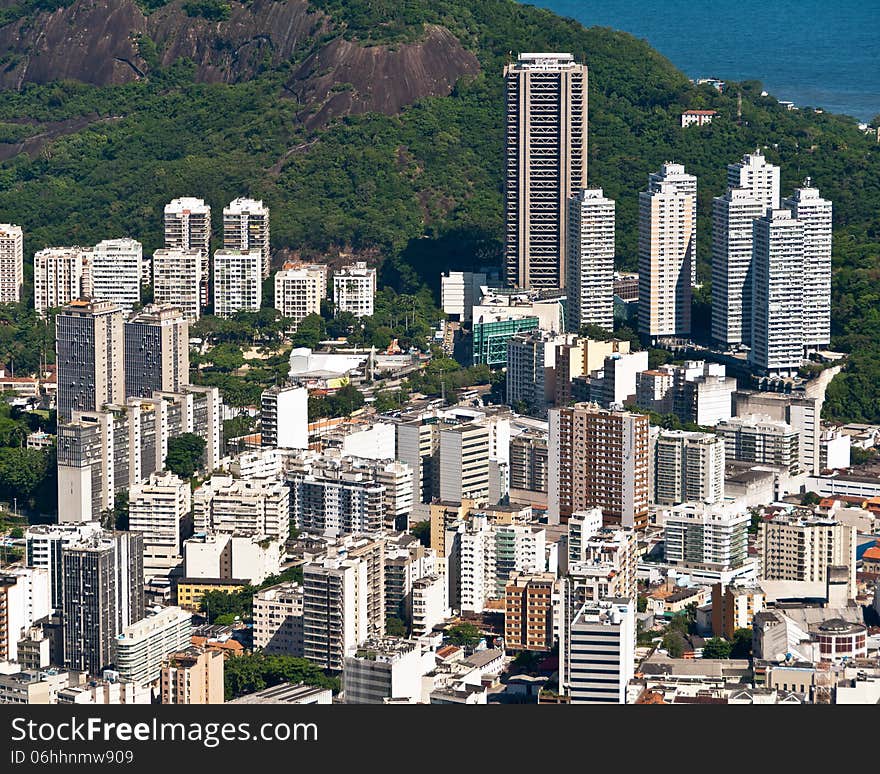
(262,32)
(100,42)
(344,77)
(94,41)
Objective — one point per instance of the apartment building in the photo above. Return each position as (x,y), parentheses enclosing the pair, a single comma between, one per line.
(117,272)
(61,275)
(528,612)
(760,439)
(188,229)
(545,164)
(278,619)
(354,289)
(142,646)
(11,263)
(89,347)
(599,458)
(156,351)
(178,281)
(238,281)
(246,227)
(299,289)
(590,261)
(246,507)
(703,536)
(160,510)
(193,676)
(687,467)
(284,417)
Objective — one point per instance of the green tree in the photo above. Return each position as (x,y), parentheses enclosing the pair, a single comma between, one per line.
(716,648)
(255,671)
(673,643)
(641,604)
(465,635)
(395,627)
(184,454)
(742,644)
(422,530)
(120,510)
(310,332)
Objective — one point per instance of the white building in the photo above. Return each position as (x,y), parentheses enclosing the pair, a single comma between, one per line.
(386,668)
(25,598)
(248,559)
(666,244)
(238,282)
(354,289)
(814,213)
(141,647)
(299,290)
(159,508)
(188,227)
(61,275)
(755,174)
(464,462)
(284,417)
(602,652)
(335,619)
(44,545)
(117,272)
(686,184)
(278,619)
(590,263)
(255,507)
(707,536)
(246,227)
(531,370)
(11,263)
(778,335)
(732,244)
(459,291)
(430,603)
(687,467)
(178,280)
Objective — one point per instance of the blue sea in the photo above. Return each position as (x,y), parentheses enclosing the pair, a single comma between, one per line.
(817,53)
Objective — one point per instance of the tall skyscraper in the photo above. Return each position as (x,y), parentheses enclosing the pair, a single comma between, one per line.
(687,467)
(156,351)
(102,580)
(246,227)
(814,213)
(546,163)
(687,184)
(177,280)
(598,458)
(756,175)
(753,190)
(590,261)
(89,351)
(117,272)
(188,227)
(238,282)
(732,217)
(666,244)
(11,263)
(61,275)
(777,294)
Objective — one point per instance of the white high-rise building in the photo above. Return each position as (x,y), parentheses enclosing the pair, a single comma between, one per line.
(666,243)
(814,213)
(602,652)
(11,263)
(777,294)
(687,467)
(354,289)
(278,619)
(704,536)
(238,282)
(464,462)
(178,280)
(141,647)
(284,417)
(299,290)
(25,598)
(756,175)
(246,227)
(257,507)
(158,508)
(335,612)
(732,217)
(188,227)
(61,275)
(687,184)
(459,291)
(546,163)
(117,272)
(590,262)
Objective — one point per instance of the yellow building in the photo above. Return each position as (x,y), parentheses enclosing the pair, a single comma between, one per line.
(191,590)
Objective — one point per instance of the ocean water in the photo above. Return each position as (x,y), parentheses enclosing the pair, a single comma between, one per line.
(818,53)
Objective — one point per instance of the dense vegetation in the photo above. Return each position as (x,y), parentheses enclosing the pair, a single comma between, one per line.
(423,188)
(255,671)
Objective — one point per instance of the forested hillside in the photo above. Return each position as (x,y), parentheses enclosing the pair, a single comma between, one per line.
(422,184)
